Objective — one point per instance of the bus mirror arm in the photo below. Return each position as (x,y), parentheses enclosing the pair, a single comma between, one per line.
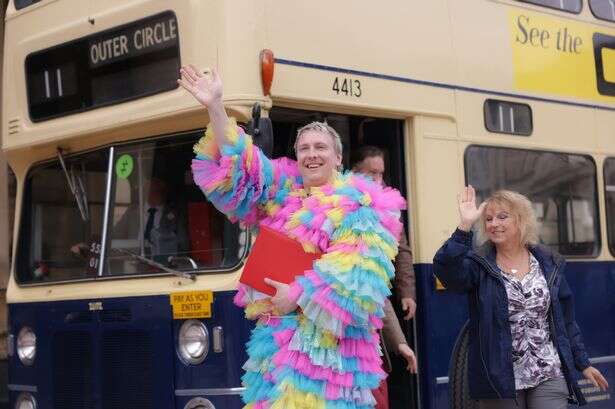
(76,187)
(256,116)
(180,274)
(261,130)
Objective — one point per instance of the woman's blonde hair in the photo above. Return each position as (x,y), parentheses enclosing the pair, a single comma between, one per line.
(521,209)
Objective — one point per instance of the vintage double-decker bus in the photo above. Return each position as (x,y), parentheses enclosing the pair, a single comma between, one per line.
(115,305)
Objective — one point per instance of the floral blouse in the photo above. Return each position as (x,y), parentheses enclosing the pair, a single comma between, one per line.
(534,356)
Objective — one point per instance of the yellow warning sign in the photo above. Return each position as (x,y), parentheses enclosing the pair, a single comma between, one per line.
(192,304)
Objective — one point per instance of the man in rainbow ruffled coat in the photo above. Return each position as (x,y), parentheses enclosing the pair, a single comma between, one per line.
(315,343)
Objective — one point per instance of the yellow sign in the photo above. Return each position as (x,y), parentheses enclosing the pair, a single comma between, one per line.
(192,304)
(562,57)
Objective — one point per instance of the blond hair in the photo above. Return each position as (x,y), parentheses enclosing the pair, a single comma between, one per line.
(521,209)
(322,127)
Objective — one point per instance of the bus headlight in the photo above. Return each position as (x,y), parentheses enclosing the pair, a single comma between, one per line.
(25,401)
(26,346)
(193,342)
(199,403)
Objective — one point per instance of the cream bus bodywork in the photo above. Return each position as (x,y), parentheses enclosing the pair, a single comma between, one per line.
(432,64)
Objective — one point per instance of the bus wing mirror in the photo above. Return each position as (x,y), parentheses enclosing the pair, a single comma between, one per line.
(261,130)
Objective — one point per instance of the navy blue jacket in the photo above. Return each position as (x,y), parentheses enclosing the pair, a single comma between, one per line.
(474,272)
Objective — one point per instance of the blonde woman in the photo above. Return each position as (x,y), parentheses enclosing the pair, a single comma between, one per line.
(525,346)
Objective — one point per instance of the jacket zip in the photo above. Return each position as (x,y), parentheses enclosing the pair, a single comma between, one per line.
(553,334)
(480,344)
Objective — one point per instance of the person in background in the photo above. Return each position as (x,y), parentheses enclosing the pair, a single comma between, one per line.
(369,160)
(315,342)
(392,338)
(163,231)
(525,346)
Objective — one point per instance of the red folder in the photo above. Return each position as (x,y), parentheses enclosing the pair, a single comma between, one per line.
(276,256)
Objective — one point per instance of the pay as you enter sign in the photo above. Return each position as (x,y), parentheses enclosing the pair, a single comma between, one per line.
(192,304)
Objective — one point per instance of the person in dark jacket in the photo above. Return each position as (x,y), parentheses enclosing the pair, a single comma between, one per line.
(525,346)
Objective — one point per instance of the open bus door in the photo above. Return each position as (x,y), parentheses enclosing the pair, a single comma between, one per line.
(7,206)
(356,131)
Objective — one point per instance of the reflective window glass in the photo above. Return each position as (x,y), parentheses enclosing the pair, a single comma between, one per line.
(603,9)
(609,194)
(159,214)
(158,218)
(19,4)
(61,222)
(508,117)
(561,186)
(572,6)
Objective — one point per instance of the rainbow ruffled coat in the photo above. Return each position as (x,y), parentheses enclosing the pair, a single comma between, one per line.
(326,354)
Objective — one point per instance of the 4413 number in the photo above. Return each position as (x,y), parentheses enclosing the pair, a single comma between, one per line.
(347,86)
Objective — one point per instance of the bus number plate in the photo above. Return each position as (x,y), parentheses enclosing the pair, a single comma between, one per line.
(192,304)
(350,87)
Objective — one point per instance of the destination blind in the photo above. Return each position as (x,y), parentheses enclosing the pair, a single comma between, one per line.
(127,62)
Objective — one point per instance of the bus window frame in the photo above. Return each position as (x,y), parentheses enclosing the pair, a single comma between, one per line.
(529,107)
(609,220)
(554,8)
(15,275)
(598,220)
(589,2)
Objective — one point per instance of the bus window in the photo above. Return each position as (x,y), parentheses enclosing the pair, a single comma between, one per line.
(156,213)
(508,117)
(571,6)
(603,9)
(159,213)
(609,193)
(56,238)
(19,4)
(561,186)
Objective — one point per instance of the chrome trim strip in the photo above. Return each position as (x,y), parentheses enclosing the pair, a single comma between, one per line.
(141,199)
(22,388)
(209,391)
(105,227)
(218,339)
(10,345)
(602,359)
(440,380)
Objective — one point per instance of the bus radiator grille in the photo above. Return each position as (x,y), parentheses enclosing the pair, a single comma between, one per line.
(122,315)
(79,317)
(127,367)
(72,370)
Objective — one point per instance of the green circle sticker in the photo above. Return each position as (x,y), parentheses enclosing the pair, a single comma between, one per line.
(124,166)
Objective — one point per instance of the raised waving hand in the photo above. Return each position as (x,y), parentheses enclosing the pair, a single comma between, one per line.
(468,212)
(207,89)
